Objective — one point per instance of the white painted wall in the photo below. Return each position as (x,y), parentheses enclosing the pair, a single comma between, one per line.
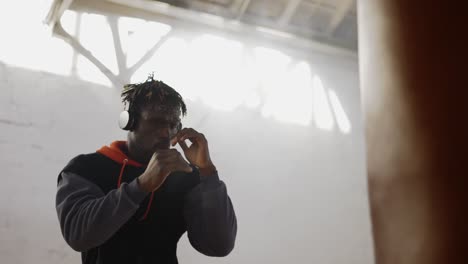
(299,191)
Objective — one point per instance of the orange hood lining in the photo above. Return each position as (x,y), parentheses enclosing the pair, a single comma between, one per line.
(115,152)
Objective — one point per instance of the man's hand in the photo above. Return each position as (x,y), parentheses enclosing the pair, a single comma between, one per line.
(198,153)
(162,163)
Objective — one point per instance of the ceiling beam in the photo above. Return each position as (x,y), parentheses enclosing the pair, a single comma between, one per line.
(231,26)
(340,13)
(235,5)
(243,8)
(314,6)
(210,7)
(56,11)
(289,12)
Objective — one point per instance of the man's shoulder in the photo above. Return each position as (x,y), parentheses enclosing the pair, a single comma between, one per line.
(82,163)
(84,159)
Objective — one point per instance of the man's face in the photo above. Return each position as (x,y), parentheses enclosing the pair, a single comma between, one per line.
(155,127)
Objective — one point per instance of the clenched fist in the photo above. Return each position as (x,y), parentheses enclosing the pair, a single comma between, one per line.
(162,163)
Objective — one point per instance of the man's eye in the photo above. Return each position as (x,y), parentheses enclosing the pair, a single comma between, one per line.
(160,125)
(171,125)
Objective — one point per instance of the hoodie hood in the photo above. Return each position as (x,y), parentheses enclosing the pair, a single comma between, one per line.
(115,152)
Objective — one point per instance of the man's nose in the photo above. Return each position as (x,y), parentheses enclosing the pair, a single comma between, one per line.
(162,132)
(165,132)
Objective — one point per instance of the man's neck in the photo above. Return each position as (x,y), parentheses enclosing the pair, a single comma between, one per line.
(133,154)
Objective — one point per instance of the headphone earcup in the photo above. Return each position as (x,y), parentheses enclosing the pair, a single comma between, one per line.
(126,120)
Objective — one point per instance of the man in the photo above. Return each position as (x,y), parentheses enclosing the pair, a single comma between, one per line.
(130,202)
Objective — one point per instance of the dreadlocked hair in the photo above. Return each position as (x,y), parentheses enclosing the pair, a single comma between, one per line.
(152,92)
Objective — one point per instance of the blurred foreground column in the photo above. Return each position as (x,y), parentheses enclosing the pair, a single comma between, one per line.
(414,69)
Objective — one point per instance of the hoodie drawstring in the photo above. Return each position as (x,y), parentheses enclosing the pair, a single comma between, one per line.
(119,182)
(121,173)
(149,206)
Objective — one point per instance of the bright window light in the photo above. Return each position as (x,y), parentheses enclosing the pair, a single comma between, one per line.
(169,64)
(271,63)
(292,102)
(97,38)
(322,112)
(26,41)
(222,73)
(214,64)
(69,22)
(270,69)
(138,36)
(248,82)
(87,71)
(252,100)
(340,114)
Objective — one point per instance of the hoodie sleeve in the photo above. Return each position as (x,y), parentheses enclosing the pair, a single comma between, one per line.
(210,218)
(87,216)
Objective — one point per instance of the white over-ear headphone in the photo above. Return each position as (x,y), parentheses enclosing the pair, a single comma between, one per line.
(126,119)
